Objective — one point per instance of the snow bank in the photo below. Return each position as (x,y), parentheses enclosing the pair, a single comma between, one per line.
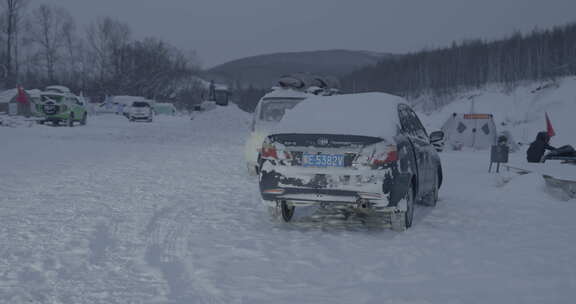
(16,121)
(370,114)
(225,118)
(520,111)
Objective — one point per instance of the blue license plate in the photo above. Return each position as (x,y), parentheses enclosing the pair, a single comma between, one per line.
(322,160)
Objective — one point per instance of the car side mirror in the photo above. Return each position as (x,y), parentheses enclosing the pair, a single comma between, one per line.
(436,136)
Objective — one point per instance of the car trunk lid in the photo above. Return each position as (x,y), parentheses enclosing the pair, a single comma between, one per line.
(317,150)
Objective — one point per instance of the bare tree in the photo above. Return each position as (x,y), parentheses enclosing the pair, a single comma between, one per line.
(107,39)
(73,51)
(12,11)
(49,30)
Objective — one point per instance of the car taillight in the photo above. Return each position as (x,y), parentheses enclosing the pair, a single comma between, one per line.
(387,155)
(376,155)
(269,150)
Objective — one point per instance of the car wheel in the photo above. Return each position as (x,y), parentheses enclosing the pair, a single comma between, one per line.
(432,197)
(84,119)
(71,120)
(259,163)
(402,220)
(409,214)
(287,211)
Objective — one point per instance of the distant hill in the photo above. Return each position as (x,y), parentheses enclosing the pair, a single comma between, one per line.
(263,71)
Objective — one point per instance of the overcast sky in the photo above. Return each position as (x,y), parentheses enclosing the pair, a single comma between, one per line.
(221,30)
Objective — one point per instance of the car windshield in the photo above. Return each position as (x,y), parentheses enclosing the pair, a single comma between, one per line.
(140,104)
(56,98)
(273,109)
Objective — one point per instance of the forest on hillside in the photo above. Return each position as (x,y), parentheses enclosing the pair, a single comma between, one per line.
(441,73)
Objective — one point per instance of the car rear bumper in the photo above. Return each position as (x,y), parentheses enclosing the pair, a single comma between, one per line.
(348,187)
(140,117)
(307,196)
(56,117)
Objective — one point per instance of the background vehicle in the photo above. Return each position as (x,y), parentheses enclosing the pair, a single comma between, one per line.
(57,104)
(140,110)
(268,113)
(359,153)
(273,106)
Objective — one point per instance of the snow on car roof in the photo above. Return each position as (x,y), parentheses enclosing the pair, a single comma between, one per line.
(57,88)
(369,114)
(52,93)
(34,92)
(285,93)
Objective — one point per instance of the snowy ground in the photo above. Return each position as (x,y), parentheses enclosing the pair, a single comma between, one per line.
(119,212)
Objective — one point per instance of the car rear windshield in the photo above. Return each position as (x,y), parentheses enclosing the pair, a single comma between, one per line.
(56,98)
(273,109)
(140,104)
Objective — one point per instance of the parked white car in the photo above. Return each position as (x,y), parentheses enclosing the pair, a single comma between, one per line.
(140,110)
(268,113)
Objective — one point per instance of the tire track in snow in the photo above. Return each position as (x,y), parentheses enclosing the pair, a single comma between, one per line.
(167,251)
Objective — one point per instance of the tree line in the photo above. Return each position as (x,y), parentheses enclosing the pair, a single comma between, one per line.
(43,45)
(439,74)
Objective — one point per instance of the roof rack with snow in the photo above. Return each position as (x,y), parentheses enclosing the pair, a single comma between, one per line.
(310,83)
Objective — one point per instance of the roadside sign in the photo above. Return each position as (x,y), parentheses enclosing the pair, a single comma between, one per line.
(499,155)
(477,116)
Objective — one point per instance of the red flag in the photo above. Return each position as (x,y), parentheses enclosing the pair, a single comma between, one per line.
(549,128)
(21,98)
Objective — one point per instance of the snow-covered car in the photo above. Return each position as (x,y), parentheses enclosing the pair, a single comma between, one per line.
(268,113)
(57,104)
(359,153)
(140,110)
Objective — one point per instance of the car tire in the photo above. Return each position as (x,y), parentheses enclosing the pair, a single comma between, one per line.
(402,220)
(259,163)
(286,211)
(71,120)
(410,202)
(431,198)
(84,119)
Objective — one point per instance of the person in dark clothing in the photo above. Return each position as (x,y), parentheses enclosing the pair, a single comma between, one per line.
(538,147)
